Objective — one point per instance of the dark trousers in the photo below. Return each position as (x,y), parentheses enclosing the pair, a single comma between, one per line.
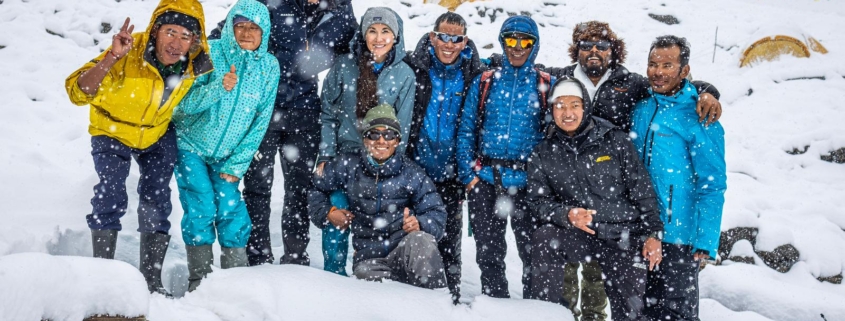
(112,160)
(489,221)
(624,268)
(298,151)
(451,192)
(672,288)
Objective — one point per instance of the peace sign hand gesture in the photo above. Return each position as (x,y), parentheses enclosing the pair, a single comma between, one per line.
(122,41)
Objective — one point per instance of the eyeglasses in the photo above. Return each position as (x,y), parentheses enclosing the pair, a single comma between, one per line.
(525,43)
(388,135)
(588,45)
(449,38)
(183,37)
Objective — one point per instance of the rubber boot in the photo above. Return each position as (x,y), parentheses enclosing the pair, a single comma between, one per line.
(153,249)
(104,242)
(232,257)
(200,259)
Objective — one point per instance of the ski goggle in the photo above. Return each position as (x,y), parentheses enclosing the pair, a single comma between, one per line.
(588,45)
(388,135)
(449,38)
(525,43)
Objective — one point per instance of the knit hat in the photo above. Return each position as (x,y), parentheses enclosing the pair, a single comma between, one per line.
(381,115)
(179,19)
(567,88)
(381,15)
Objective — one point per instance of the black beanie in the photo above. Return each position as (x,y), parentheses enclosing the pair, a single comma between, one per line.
(180,19)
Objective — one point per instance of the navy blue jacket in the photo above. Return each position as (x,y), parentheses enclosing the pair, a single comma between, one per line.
(305,39)
(438,103)
(378,196)
(512,120)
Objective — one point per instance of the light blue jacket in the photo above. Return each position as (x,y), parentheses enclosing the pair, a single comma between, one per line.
(686,161)
(227,126)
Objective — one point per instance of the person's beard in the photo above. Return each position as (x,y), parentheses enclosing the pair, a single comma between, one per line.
(594,70)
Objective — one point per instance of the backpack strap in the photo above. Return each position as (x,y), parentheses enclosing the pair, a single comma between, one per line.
(484,87)
(544,81)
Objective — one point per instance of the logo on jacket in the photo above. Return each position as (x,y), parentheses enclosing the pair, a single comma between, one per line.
(602,159)
(376,18)
(620,89)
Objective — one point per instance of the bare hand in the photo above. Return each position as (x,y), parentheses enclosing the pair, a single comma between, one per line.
(580,218)
(708,108)
(700,256)
(229,178)
(653,252)
(410,223)
(472,184)
(230,79)
(341,218)
(313,1)
(319,170)
(122,41)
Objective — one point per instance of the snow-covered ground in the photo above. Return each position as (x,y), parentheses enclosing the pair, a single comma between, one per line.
(792,199)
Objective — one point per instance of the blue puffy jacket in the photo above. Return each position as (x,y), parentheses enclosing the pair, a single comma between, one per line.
(686,161)
(227,126)
(512,120)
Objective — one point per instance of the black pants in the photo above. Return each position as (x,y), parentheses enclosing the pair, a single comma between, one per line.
(489,221)
(450,245)
(112,160)
(672,288)
(624,268)
(298,150)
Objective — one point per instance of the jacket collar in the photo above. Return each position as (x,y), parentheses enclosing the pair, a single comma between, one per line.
(390,168)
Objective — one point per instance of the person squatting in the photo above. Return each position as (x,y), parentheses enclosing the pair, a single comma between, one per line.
(602,169)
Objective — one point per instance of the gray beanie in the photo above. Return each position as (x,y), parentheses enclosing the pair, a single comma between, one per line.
(383,15)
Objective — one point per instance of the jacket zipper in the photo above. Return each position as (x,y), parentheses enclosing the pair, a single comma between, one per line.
(510,114)
(228,123)
(671,196)
(648,144)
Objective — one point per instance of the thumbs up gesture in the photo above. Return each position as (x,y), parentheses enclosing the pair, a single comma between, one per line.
(409,223)
(230,79)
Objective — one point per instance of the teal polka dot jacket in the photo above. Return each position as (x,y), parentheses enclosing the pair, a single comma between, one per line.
(227,126)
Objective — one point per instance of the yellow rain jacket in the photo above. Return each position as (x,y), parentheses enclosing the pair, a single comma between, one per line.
(128,106)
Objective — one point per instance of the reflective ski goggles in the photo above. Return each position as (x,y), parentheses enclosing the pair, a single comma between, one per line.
(588,45)
(388,134)
(525,43)
(449,38)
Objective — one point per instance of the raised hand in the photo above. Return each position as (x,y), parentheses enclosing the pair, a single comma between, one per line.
(580,218)
(122,41)
(230,79)
(409,223)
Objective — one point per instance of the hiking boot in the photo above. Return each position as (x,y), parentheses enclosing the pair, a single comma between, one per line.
(199,264)
(104,242)
(153,249)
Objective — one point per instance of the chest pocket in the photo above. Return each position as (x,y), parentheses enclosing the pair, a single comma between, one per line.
(605,175)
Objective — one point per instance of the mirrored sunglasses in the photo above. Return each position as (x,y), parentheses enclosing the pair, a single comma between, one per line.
(525,43)
(588,45)
(449,38)
(388,134)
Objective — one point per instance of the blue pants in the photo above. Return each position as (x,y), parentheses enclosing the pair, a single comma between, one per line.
(335,241)
(211,204)
(112,160)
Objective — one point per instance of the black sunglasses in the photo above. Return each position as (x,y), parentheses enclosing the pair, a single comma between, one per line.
(448,38)
(388,135)
(588,45)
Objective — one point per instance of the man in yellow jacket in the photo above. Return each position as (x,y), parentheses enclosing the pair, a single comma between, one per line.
(132,89)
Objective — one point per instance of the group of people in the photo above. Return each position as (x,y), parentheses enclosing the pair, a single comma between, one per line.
(595,166)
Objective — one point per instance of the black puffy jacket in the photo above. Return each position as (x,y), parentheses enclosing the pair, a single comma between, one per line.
(378,196)
(597,169)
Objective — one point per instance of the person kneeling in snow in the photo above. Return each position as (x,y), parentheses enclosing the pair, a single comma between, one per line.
(395,213)
(219,127)
(132,88)
(586,182)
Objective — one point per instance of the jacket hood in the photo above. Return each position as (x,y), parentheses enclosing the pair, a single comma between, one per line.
(191,8)
(255,12)
(358,43)
(523,24)
(588,105)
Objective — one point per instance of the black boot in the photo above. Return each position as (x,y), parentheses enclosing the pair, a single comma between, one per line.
(153,249)
(104,242)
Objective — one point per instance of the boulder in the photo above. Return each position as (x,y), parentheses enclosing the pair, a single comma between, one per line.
(781,258)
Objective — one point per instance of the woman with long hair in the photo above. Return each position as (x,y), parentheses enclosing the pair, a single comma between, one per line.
(372,74)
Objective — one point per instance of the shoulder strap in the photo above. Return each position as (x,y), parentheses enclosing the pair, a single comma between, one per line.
(544,81)
(484,87)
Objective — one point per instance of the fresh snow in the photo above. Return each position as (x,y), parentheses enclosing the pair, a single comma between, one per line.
(45,265)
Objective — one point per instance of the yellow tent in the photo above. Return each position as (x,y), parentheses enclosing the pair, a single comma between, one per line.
(771,47)
(450,4)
